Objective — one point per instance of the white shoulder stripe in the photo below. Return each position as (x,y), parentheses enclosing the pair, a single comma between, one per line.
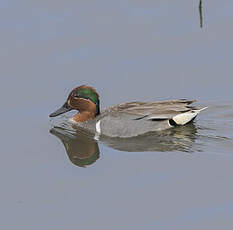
(98,129)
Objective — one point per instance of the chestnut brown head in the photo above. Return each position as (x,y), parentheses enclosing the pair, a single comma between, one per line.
(83,98)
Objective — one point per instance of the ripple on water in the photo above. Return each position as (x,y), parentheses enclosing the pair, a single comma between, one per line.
(215,128)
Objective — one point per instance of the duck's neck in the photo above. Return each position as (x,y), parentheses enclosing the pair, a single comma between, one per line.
(84,116)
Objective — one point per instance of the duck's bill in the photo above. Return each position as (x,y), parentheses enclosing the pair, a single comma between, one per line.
(65,108)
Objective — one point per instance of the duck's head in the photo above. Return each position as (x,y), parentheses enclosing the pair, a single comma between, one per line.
(85,99)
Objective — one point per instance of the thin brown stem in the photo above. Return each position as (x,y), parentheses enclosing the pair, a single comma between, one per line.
(200,13)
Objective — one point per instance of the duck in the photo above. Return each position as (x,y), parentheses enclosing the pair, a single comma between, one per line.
(125,120)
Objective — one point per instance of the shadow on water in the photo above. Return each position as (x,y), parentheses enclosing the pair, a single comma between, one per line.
(82,149)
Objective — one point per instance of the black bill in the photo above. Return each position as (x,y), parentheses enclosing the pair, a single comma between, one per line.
(65,108)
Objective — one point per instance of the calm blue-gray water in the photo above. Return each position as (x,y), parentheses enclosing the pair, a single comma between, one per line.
(52,178)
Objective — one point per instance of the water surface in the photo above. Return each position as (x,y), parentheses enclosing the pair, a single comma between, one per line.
(53,178)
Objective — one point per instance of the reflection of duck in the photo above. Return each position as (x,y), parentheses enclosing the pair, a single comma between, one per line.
(125,120)
(180,138)
(81,149)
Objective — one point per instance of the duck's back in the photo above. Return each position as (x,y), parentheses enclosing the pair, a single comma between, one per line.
(137,118)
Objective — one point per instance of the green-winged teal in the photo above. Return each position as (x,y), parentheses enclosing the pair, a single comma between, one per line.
(128,119)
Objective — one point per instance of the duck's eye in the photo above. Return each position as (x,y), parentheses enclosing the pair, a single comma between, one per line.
(77,95)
